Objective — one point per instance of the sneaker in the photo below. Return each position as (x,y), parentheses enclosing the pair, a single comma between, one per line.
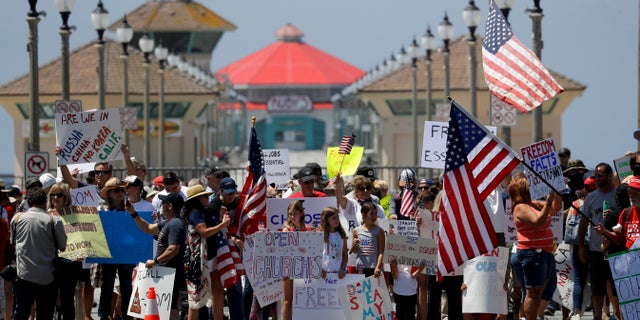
(576,316)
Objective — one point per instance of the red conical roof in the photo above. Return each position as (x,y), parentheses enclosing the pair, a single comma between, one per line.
(292,62)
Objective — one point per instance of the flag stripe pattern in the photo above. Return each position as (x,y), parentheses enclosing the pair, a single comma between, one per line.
(254,192)
(406,206)
(346,144)
(513,72)
(476,161)
(228,261)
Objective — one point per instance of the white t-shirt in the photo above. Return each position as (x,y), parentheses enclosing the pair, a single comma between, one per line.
(332,253)
(405,284)
(157,203)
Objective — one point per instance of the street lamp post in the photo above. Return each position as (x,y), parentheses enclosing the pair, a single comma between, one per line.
(505,7)
(445,31)
(33,18)
(146,45)
(65,7)
(471,17)
(429,44)
(161,54)
(100,21)
(413,53)
(125,34)
(536,18)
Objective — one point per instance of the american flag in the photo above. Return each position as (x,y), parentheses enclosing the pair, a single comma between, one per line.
(513,73)
(475,163)
(252,205)
(406,206)
(228,261)
(346,144)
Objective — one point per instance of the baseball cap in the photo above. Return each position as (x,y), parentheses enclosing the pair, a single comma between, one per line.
(634,182)
(564,152)
(215,170)
(134,181)
(33,182)
(227,185)
(47,180)
(306,174)
(174,198)
(590,184)
(315,168)
(367,172)
(158,181)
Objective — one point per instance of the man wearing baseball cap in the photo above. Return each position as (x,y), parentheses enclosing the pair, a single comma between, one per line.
(306,179)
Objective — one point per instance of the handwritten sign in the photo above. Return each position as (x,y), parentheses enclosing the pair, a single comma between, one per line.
(276,166)
(266,291)
(367,299)
(348,166)
(85,235)
(623,167)
(161,279)
(484,277)
(511,235)
(625,269)
(127,243)
(543,159)
(318,299)
(564,274)
(85,196)
(407,228)
(411,251)
(434,143)
(430,223)
(277,211)
(91,136)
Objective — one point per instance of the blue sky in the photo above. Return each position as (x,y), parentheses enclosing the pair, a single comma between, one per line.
(593,42)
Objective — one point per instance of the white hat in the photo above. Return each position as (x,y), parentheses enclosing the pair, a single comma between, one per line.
(47,180)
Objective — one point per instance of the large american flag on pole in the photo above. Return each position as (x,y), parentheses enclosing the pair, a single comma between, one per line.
(475,163)
(252,205)
(406,204)
(513,72)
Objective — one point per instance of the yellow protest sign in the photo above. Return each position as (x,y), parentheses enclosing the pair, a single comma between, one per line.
(349,162)
(85,235)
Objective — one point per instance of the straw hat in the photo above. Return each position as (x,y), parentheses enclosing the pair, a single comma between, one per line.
(196,191)
(113,183)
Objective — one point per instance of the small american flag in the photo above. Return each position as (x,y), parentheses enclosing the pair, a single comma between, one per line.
(475,163)
(406,207)
(228,261)
(346,144)
(513,73)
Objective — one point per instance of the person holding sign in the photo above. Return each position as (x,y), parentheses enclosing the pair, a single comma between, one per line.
(294,223)
(171,238)
(368,242)
(334,252)
(535,241)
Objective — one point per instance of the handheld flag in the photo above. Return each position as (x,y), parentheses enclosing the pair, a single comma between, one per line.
(476,161)
(406,205)
(346,144)
(513,73)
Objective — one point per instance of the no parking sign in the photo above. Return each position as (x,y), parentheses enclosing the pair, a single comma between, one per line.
(36,163)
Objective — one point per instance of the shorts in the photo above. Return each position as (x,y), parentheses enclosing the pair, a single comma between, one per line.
(600,274)
(537,267)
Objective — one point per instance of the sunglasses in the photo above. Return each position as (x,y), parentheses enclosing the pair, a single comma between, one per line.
(169,181)
(309,182)
(423,188)
(56,195)
(118,190)
(365,188)
(99,172)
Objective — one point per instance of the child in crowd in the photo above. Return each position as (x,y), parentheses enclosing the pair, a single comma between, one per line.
(368,242)
(405,289)
(295,222)
(334,251)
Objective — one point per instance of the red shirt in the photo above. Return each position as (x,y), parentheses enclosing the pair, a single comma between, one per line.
(316,193)
(630,226)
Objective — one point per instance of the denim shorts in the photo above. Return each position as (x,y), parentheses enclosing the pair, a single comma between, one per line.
(537,266)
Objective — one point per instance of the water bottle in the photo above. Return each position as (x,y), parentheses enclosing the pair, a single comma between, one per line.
(605,207)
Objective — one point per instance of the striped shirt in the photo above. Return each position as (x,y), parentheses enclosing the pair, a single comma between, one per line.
(530,237)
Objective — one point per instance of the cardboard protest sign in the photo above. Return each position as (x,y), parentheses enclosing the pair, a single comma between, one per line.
(542,157)
(434,143)
(564,274)
(411,251)
(127,243)
(266,291)
(430,223)
(367,299)
(90,136)
(510,235)
(318,299)
(162,280)
(484,278)
(85,234)
(623,167)
(85,196)
(277,211)
(625,269)
(349,165)
(276,166)
(82,168)
(407,228)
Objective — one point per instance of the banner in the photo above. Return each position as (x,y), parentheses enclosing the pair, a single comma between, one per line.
(349,165)
(564,273)
(434,143)
(91,136)
(625,269)
(162,280)
(367,299)
(318,299)
(484,278)
(411,251)
(85,234)
(85,196)
(542,157)
(127,243)
(276,167)
(277,211)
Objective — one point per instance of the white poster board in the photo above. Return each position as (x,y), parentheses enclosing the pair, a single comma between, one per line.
(430,223)
(412,251)
(85,196)
(564,273)
(623,167)
(318,299)
(90,136)
(625,269)
(407,228)
(161,279)
(266,291)
(276,166)
(277,211)
(434,144)
(367,299)
(543,158)
(484,278)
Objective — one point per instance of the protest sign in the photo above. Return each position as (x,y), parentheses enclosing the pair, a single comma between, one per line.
(495,208)
(276,166)
(81,167)
(564,274)
(625,269)
(430,223)
(542,157)
(85,234)
(346,163)
(85,196)
(90,136)
(411,251)
(367,299)
(277,211)
(434,143)
(318,299)
(484,280)
(161,279)
(623,167)
(127,243)
(266,291)
(510,235)
(407,228)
